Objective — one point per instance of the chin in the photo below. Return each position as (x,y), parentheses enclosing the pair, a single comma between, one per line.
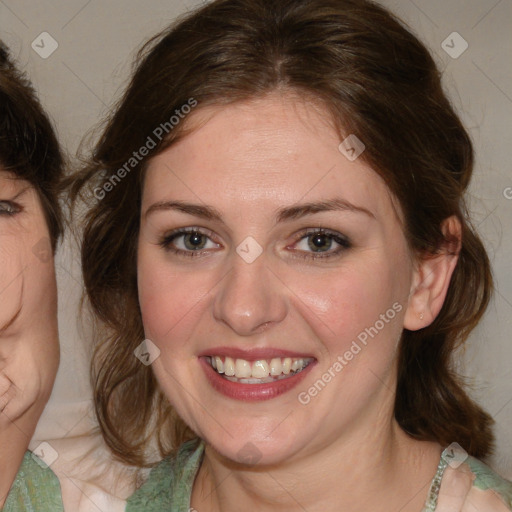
(254,448)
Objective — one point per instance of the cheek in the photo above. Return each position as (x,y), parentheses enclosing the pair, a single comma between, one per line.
(11,281)
(343,304)
(15,264)
(170,300)
(40,296)
(27,277)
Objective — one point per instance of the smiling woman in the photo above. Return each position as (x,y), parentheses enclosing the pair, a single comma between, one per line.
(30,226)
(302,232)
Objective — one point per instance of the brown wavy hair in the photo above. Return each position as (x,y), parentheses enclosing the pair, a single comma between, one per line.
(376,80)
(29,148)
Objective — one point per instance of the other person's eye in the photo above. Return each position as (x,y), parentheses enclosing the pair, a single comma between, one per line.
(9,208)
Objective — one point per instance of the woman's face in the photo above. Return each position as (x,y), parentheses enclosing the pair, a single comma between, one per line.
(29,351)
(293,256)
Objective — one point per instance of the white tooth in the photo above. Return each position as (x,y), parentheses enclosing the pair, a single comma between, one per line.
(260,369)
(295,365)
(229,366)
(242,369)
(276,367)
(287,365)
(219,364)
(213,362)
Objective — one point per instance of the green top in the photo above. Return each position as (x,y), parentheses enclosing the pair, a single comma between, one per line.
(169,486)
(35,488)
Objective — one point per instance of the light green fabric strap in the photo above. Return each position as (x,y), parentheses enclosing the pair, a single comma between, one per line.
(169,486)
(486,478)
(35,489)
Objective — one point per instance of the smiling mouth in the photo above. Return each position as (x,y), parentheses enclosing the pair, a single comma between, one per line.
(261,371)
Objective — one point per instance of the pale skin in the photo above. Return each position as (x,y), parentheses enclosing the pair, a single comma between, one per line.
(247,161)
(29,349)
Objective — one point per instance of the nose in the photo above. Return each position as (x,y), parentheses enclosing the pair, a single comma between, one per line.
(250,299)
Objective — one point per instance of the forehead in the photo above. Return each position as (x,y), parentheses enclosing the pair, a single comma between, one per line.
(261,154)
(9,182)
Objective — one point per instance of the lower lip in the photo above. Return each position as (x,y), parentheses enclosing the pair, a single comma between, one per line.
(252,392)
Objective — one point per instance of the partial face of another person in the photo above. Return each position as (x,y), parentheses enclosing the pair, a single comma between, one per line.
(236,271)
(29,351)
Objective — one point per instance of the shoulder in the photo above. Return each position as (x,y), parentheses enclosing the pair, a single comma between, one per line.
(35,485)
(489,492)
(170,482)
(474,486)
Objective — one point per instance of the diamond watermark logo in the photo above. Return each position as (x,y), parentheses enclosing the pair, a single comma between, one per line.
(45,455)
(455,455)
(249,250)
(44,45)
(147,352)
(454,45)
(351,147)
(249,454)
(43,250)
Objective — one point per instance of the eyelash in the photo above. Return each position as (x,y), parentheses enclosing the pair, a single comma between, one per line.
(9,208)
(343,242)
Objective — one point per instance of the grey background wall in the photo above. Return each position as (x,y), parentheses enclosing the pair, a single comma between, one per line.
(88,69)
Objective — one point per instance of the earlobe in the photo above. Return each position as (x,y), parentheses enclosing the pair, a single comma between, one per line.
(431,278)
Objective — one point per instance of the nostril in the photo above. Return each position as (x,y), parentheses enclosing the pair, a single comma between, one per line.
(264,326)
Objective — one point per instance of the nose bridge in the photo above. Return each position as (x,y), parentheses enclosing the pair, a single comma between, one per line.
(249,297)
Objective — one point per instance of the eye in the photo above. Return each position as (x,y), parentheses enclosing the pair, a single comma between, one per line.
(9,208)
(318,243)
(188,242)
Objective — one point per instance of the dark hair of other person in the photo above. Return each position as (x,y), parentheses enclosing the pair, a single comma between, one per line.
(29,149)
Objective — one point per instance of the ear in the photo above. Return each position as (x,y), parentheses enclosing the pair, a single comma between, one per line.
(431,278)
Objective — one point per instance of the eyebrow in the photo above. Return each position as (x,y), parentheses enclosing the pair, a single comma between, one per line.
(17,196)
(282,215)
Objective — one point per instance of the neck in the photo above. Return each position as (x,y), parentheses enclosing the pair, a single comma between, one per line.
(376,468)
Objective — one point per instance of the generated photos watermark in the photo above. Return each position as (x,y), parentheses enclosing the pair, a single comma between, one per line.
(158,134)
(304,397)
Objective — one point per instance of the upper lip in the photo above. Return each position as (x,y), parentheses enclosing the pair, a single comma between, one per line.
(253,354)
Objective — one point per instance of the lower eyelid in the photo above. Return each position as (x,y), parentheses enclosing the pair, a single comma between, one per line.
(319,255)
